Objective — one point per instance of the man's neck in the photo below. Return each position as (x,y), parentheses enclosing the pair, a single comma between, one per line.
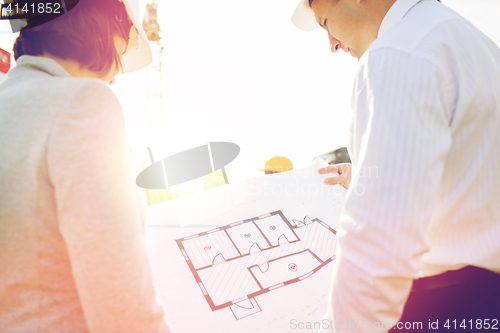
(376,11)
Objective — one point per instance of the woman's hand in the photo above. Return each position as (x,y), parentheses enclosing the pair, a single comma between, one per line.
(344,174)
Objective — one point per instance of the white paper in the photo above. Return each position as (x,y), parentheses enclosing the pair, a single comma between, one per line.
(260,261)
(229,203)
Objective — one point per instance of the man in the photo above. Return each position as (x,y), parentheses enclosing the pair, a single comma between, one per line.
(420,228)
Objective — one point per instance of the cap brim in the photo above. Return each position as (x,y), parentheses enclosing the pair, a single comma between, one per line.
(303,17)
(140,56)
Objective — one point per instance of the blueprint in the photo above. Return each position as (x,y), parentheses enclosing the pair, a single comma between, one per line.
(254,273)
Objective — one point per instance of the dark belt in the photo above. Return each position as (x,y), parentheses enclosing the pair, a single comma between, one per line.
(451,278)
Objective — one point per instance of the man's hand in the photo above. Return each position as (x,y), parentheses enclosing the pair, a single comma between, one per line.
(344,174)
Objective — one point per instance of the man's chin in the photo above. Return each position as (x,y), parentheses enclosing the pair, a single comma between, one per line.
(352,53)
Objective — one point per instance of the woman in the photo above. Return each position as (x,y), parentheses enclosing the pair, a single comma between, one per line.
(72,254)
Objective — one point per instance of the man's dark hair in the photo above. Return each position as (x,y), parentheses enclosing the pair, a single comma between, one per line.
(84,34)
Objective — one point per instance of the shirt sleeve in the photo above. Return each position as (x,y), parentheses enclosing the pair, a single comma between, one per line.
(401,141)
(99,214)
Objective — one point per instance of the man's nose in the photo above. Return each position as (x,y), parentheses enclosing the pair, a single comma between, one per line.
(334,43)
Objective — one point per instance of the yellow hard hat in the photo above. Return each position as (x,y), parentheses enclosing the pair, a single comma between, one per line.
(278,164)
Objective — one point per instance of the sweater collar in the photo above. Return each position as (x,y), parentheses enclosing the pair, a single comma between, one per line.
(47,65)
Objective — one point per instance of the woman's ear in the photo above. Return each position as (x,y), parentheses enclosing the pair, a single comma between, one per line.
(133,43)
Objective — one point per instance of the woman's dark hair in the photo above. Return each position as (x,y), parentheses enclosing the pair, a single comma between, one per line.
(84,34)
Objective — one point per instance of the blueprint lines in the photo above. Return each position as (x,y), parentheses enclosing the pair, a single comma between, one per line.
(236,263)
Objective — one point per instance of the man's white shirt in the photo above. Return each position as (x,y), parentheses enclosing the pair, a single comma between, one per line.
(425,146)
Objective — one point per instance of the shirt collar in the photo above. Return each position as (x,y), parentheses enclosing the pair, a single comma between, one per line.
(47,65)
(398,10)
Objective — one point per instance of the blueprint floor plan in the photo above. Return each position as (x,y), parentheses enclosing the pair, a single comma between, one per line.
(236,263)
(246,257)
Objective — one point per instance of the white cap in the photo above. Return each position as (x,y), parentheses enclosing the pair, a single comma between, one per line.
(303,17)
(140,56)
